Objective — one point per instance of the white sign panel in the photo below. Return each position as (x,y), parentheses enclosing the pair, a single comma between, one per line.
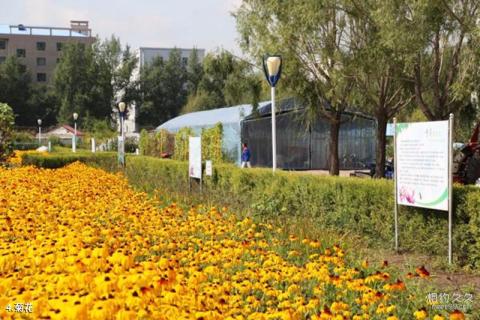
(422,164)
(195,157)
(208,167)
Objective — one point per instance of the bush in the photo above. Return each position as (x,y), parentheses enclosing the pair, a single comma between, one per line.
(156,144)
(6,131)
(105,160)
(360,206)
(181,144)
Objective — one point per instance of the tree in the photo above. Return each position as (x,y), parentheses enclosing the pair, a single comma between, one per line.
(15,89)
(442,50)
(88,79)
(163,90)
(226,81)
(194,72)
(382,87)
(6,130)
(312,36)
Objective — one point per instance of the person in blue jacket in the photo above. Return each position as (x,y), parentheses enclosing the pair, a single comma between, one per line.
(245,156)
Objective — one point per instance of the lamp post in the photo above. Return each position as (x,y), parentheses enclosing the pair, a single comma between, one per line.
(74,141)
(39,121)
(272,66)
(121,140)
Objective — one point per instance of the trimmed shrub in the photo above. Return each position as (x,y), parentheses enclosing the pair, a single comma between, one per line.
(105,160)
(361,206)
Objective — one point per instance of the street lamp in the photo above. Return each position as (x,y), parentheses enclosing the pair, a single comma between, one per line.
(39,121)
(121,140)
(74,142)
(272,66)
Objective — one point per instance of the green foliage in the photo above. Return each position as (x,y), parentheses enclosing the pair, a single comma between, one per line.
(442,53)
(212,143)
(226,81)
(181,143)
(87,77)
(15,88)
(6,131)
(23,140)
(106,160)
(163,90)
(158,144)
(102,131)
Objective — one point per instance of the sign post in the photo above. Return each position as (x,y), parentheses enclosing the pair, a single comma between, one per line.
(194,160)
(395,182)
(423,168)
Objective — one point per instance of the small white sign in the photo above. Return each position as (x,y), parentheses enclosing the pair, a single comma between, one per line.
(422,164)
(208,168)
(195,157)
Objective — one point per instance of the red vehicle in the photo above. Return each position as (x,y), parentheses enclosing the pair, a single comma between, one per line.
(466,164)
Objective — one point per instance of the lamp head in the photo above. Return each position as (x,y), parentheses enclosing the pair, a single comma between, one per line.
(121,106)
(75,116)
(39,121)
(272,66)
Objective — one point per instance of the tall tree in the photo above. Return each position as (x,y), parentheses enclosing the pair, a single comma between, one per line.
(226,81)
(312,36)
(88,78)
(15,89)
(163,90)
(382,87)
(442,40)
(194,72)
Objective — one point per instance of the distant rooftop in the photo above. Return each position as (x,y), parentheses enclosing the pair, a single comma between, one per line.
(77,29)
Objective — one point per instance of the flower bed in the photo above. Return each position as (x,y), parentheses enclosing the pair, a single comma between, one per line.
(79,243)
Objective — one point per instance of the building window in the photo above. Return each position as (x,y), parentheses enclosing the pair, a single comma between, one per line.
(59,46)
(58,60)
(2,59)
(3,44)
(41,61)
(185,61)
(41,46)
(21,53)
(41,77)
(22,68)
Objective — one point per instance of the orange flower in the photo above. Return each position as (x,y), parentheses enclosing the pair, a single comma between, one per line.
(457,315)
(422,272)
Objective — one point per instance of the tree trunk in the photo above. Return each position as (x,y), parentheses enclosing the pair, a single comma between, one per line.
(333,145)
(380,149)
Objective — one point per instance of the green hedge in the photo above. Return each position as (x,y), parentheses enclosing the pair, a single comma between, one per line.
(105,160)
(360,206)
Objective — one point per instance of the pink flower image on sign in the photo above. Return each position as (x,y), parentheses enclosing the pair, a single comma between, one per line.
(407,195)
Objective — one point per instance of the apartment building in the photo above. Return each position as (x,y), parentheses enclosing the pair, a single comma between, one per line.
(39,48)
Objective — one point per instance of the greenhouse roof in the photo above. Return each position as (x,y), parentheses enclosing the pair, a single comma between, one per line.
(292,104)
(209,117)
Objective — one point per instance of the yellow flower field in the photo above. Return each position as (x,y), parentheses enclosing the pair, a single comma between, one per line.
(79,243)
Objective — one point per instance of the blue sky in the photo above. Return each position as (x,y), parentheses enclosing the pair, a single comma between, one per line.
(205,24)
